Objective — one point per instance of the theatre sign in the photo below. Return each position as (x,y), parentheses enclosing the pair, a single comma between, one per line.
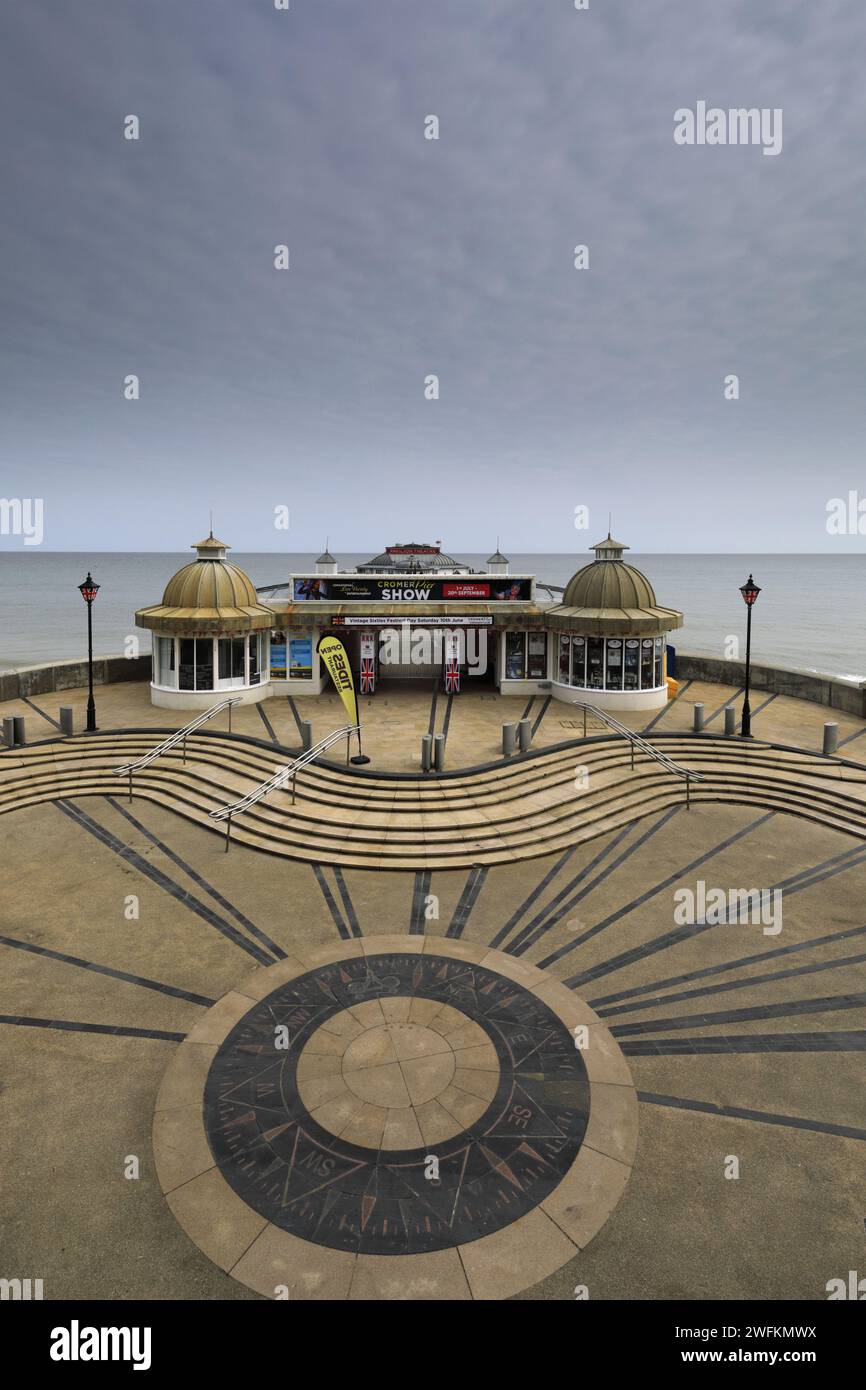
(391,589)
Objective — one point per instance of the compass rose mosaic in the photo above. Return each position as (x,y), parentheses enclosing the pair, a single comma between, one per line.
(396,1098)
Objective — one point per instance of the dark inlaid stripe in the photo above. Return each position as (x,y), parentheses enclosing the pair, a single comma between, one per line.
(329,899)
(544,708)
(768,701)
(348,905)
(550,908)
(759,957)
(116,1030)
(198,879)
(533,896)
(659,887)
(446,722)
(420,891)
(267,723)
(724,987)
(45,716)
(851,737)
(730,700)
(663,711)
(807,878)
(525,714)
(142,980)
(162,880)
(764,1117)
(601,877)
(468,898)
(789,1008)
(757,1042)
(296,715)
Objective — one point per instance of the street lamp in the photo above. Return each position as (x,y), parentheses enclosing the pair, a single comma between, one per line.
(88,590)
(750,592)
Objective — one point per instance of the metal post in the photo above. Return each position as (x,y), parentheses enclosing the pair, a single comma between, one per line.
(688,793)
(130,784)
(9,730)
(348,747)
(20,731)
(730,720)
(438,752)
(183,744)
(698,718)
(91,704)
(746,727)
(509,739)
(294,779)
(524,735)
(228,830)
(231,707)
(631,741)
(831,738)
(426,752)
(584,721)
(67,726)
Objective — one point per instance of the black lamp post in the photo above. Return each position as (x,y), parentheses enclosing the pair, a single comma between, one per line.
(750,592)
(88,590)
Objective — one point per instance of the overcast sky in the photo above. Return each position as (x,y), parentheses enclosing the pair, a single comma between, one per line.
(409,257)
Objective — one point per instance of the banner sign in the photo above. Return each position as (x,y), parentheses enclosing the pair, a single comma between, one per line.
(408,589)
(300,658)
(413,620)
(333,653)
(368,663)
(278,656)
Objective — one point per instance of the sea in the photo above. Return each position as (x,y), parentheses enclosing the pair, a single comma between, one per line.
(810,615)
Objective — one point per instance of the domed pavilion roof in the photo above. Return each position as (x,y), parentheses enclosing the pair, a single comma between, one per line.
(610,596)
(208,595)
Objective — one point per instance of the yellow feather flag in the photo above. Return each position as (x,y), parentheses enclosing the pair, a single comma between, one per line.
(333,653)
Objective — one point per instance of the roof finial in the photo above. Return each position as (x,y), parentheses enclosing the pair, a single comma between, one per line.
(210,537)
(610,523)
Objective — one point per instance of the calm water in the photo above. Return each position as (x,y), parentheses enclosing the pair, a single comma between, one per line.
(811,613)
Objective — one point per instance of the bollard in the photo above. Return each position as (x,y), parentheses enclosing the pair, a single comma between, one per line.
(730,720)
(426,752)
(66,720)
(438,752)
(306,729)
(20,732)
(831,738)
(524,734)
(9,731)
(509,739)
(699,718)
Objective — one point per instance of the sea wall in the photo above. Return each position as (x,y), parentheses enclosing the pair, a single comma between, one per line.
(72,675)
(833,691)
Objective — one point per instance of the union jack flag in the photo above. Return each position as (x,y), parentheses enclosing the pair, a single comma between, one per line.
(368,675)
(452,677)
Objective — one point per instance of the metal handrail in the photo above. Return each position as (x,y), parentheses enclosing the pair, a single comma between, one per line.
(637,742)
(282,775)
(181,735)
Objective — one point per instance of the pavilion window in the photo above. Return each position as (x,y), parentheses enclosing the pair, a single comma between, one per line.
(595,663)
(186,669)
(578,661)
(613,680)
(537,657)
(646,663)
(565,660)
(166,673)
(659,660)
(232,658)
(515,656)
(255,658)
(204,663)
(632,664)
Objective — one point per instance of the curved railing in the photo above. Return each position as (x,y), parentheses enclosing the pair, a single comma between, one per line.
(279,779)
(637,741)
(179,737)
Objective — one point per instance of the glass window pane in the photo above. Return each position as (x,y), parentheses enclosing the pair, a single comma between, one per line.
(238,657)
(564,659)
(632,663)
(614,664)
(187,664)
(659,654)
(578,661)
(224,658)
(537,658)
(595,663)
(515,656)
(204,663)
(646,663)
(255,647)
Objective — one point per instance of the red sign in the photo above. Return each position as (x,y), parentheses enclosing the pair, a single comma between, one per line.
(465,590)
